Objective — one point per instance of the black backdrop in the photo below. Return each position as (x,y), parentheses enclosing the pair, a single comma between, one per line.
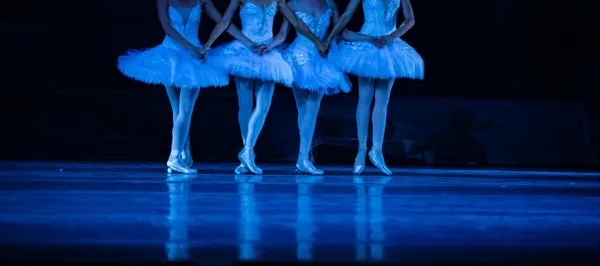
(62,88)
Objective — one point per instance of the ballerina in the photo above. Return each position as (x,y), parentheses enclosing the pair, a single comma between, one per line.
(256,68)
(377,56)
(175,64)
(314,75)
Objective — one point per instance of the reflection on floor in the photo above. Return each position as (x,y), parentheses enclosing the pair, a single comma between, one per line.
(130,212)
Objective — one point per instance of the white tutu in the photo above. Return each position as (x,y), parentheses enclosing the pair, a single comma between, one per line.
(171,67)
(314,72)
(238,60)
(395,60)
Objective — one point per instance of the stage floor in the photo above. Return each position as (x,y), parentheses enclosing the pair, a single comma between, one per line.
(135,212)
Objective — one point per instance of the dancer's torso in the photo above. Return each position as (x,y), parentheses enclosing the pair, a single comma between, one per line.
(186,21)
(318,25)
(257,21)
(380,16)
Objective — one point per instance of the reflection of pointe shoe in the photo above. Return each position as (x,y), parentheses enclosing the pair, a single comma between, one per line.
(248,178)
(305,167)
(359,163)
(247,160)
(177,166)
(376,158)
(383,180)
(358,180)
(241,169)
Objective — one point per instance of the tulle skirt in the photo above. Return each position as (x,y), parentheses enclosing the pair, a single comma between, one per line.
(171,67)
(239,61)
(314,72)
(395,60)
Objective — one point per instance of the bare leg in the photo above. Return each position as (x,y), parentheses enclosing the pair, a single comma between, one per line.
(173,94)
(307,119)
(257,120)
(383,89)
(181,127)
(366,90)
(245,93)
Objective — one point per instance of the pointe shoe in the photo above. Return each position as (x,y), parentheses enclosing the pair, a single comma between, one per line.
(241,169)
(305,167)
(317,170)
(359,163)
(377,159)
(187,159)
(177,166)
(358,169)
(246,158)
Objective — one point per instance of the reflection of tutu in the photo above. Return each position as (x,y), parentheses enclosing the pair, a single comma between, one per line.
(170,67)
(238,60)
(313,72)
(395,60)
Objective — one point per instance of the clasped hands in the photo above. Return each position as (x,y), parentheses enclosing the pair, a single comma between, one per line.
(382,41)
(200,52)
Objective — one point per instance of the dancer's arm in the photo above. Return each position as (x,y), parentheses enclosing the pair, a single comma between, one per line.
(165,22)
(352,36)
(300,26)
(223,24)
(343,20)
(336,17)
(279,38)
(215,15)
(407,24)
(335,11)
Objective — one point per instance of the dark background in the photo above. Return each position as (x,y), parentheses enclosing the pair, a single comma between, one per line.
(64,99)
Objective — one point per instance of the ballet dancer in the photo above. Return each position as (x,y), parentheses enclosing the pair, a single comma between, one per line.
(377,56)
(176,64)
(256,68)
(314,75)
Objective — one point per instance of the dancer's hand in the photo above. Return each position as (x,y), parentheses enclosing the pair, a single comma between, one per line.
(200,52)
(322,49)
(252,46)
(377,42)
(263,49)
(256,48)
(383,40)
(327,45)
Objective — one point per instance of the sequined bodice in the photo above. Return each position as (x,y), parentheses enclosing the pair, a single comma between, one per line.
(380,16)
(257,22)
(302,48)
(318,25)
(187,27)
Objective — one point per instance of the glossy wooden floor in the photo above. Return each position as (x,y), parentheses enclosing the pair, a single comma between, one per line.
(130,212)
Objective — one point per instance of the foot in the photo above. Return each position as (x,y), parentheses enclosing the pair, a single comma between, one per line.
(176,165)
(376,158)
(246,157)
(359,162)
(241,169)
(305,167)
